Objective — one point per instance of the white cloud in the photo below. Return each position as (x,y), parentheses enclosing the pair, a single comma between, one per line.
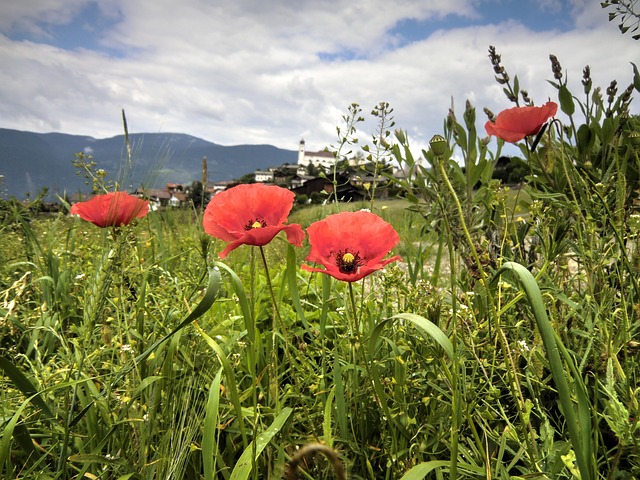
(250,71)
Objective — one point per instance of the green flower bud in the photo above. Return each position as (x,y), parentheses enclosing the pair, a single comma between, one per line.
(438,145)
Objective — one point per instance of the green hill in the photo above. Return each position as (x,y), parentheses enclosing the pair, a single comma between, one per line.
(30,161)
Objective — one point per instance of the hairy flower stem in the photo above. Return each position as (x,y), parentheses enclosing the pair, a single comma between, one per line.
(253,364)
(360,347)
(467,235)
(453,378)
(273,378)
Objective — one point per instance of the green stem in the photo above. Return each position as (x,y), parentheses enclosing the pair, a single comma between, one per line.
(273,378)
(95,304)
(504,343)
(455,393)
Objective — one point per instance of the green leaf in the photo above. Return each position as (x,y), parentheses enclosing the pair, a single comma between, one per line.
(585,139)
(145,383)
(341,409)
(5,443)
(214,289)
(636,77)
(566,100)
(23,437)
(243,468)
(608,131)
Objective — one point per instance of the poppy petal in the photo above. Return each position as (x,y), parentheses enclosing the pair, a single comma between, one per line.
(251,214)
(363,236)
(113,209)
(514,124)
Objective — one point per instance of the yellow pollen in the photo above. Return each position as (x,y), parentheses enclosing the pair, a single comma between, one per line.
(348,258)
(256,224)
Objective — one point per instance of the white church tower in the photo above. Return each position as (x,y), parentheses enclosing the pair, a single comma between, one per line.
(323,159)
(301,153)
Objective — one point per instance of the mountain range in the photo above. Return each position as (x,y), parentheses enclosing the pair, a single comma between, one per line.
(30,161)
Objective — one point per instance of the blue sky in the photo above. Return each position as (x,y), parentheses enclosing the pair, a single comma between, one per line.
(249,71)
(83,29)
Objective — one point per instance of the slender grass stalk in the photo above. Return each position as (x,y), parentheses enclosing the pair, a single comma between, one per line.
(210,428)
(244,466)
(95,305)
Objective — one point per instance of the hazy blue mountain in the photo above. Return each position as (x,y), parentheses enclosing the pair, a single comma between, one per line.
(30,161)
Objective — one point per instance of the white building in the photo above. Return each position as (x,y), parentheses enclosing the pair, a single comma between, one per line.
(262,176)
(324,159)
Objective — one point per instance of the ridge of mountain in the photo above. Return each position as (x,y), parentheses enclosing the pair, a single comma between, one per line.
(30,161)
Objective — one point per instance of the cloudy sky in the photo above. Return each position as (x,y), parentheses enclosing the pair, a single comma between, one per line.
(255,71)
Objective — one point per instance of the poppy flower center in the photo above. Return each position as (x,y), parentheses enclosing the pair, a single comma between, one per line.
(258,223)
(348,262)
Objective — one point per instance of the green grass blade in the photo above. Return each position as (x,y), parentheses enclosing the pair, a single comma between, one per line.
(5,442)
(579,426)
(243,468)
(327,432)
(24,439)
(245,307)
(23,384)
(231,381)
(144,384)
(422,469)
(424,326)
(214,289)
(341,404)
(210,428)
(584,407)
(326,294)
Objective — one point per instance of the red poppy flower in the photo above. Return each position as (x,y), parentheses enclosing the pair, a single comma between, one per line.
(112,209)
(513,124)
(351,245)
(251,214)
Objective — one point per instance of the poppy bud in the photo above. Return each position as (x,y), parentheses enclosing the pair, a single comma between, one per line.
(624,118)
(490,115)
(438,145)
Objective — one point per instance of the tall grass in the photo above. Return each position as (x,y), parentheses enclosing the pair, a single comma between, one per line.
(505,345)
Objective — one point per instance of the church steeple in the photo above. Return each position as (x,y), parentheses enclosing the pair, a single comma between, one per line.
(301,152)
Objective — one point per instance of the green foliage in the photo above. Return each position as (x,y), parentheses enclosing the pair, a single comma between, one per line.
(134,353)
(626,14)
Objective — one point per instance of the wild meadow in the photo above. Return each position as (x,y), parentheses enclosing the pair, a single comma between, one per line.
(467,329)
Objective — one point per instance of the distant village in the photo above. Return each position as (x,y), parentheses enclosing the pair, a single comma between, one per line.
(311,179)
